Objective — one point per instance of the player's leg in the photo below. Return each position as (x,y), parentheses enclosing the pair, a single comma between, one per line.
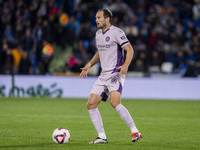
(115,101)
(96,119)
(115,98)
(93,101)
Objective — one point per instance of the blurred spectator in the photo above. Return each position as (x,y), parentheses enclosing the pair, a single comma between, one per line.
(9,33)
(91,49)
(47,33)
(46,58)
(152,41)
(85,33)
(28,44)
(43,65)
(179,61)
(191,70)
(25,64)
(6,60)
(43,9)
(156,59)
(73,64)
(109,5)
(139,67)
(74,27)
(17,54)
(198,67)
(196,10)
(80,47)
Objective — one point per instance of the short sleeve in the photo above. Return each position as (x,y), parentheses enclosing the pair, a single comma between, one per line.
(121,38)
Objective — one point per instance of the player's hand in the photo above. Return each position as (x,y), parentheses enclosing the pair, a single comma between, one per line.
(84,72)
(123,70)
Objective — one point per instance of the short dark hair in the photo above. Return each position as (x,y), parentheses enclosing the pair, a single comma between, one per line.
(107,13)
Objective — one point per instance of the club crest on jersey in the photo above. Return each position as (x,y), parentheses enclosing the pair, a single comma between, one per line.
(107,38)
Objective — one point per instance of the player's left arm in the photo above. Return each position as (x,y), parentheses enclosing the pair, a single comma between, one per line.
(129,57)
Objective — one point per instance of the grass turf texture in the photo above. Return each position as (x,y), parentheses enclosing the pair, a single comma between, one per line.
(28,123)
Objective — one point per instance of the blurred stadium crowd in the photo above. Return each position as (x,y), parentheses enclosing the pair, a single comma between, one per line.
(165,34)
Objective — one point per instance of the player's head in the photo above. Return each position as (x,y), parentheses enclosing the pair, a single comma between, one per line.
(103,18)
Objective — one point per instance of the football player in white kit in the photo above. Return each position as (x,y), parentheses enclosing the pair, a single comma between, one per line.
(111,43)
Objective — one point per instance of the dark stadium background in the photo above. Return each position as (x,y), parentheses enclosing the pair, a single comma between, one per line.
(165,35)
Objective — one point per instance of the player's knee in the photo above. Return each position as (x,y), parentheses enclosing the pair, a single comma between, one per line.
(114,103)
(90,105)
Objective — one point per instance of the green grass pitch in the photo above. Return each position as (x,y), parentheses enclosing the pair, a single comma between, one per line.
(28,123)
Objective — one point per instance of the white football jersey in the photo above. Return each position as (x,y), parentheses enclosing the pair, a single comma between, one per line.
(110,46)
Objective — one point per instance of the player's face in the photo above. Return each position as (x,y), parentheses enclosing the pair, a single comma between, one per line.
(100,20)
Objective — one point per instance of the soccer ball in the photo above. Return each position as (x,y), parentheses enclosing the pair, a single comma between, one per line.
(61,135)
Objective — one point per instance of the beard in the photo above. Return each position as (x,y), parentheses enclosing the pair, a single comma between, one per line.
(101,26)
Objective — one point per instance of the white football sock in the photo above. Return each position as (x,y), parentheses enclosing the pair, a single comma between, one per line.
(125,115)
(97,122)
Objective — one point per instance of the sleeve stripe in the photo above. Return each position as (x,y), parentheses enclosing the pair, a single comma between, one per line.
(124,43)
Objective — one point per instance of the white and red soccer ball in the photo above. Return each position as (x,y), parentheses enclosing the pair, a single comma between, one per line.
(61,135)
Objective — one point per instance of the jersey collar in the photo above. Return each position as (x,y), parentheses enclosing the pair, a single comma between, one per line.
(106,30)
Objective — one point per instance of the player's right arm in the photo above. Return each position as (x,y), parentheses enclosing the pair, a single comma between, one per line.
(91,63)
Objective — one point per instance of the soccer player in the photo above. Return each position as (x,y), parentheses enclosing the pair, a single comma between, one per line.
(111,43)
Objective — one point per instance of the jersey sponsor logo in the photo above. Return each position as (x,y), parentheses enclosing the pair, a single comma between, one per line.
(103,47)
(107,38)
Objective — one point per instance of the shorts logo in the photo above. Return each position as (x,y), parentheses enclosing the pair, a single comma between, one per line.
(107,38)
(114,80)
